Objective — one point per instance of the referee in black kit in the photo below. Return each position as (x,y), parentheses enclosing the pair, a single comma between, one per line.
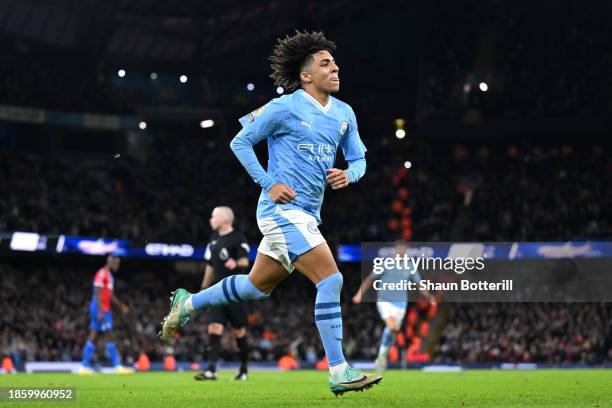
(227,254)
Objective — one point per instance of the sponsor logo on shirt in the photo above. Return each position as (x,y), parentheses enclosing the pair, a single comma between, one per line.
(321,152)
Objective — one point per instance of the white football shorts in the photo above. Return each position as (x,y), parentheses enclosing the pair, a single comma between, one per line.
(388,309)
(287,235)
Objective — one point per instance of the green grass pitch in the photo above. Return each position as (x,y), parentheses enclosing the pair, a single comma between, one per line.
(472,388)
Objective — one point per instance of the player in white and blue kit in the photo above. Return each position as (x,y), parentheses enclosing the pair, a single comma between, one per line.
(304,131)
(391,304)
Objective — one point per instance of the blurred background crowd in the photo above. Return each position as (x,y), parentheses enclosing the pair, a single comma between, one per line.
(492,127)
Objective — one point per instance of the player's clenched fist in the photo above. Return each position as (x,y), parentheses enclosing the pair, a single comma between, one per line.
(337,178)
(281,193)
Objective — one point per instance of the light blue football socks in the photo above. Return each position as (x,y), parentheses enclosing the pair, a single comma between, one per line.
(233,289)
(328,317)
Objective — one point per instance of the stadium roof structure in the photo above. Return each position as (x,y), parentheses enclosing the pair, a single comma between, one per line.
(186,31)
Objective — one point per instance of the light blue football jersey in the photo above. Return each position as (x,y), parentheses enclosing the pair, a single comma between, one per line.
(303,138)
(396,275)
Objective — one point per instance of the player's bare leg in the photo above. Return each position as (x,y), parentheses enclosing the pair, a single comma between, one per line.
(392,326)
(319,266)
(266,273)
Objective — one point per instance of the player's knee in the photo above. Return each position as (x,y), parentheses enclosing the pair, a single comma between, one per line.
(340,279)
(264,282)
(215,328)
(332,283)
(240,332)
(247,290)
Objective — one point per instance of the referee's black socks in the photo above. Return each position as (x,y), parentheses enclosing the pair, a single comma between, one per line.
(214,349)
(243,346)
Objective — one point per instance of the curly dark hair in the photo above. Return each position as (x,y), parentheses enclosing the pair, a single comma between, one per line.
(291,54)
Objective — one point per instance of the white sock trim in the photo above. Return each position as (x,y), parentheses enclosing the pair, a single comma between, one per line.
(337,369)
(189,304)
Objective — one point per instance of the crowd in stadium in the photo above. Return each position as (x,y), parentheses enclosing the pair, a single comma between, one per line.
(533,193)
(459,198)
(549,193)
(510,190)
(38,326)
(459,192)
(553,333)
(103,196)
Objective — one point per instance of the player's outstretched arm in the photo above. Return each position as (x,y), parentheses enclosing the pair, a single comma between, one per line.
(367,282)
(98,295)
(428,295)
(124,308)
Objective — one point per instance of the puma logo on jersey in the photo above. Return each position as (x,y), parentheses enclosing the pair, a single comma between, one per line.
(308,125)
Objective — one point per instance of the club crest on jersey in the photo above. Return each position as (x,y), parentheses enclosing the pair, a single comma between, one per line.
(343,127)
(312,227)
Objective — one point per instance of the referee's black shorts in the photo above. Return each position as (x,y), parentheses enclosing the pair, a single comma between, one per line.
(235,314)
